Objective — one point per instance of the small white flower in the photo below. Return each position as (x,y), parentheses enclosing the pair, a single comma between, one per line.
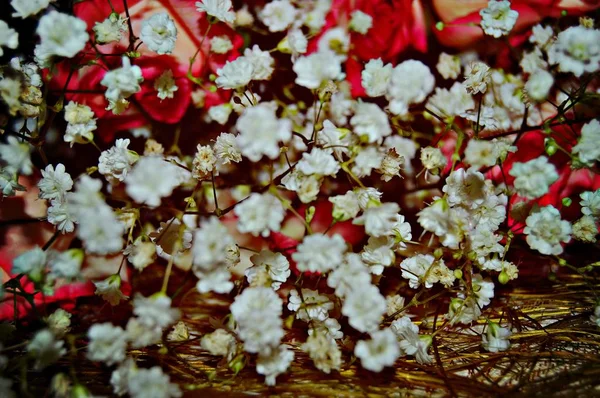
(477,78)
(61,34)
(314,69)
(260,214)
(483,290)
(111,29)
(541,35)
(26,8)
(110,289)
(59,322)
(220,44)
(409,340)
(378,254)
(165,85)
(278,15)
(310,305)
(366,196)
(361,22)
(235,74)
(274,364)
(219,342)
(590,203)
(32,263)
(275,265)
(587,148)
(411,83)
(144,383)
(496,338)
(364,307)
(155,311)
(297,42)
(498,19)
(376,77)
(335,41)
(370,122)
(532,61)
(576,50)
(533,178)
(45,348)
(116,162)
(448,66)
(159,33)
(545,231)
(433,159)
(319,253)
(261,131)
(380,351)
(324,352)
(67,264)
(204,162)
(141,254)
(107,343)
(55,182)
(379,220)
(16,155)
(318,162)
(416,268)
(120,376)
(465,187)
(220,113)
(8,183)
(8,37)
(345,207)
(151,179)
(226,149)
(539,84)
(122,82)
(262,62)
(211,241)
(367,160)
(217,280)
(220,9)
(350,275)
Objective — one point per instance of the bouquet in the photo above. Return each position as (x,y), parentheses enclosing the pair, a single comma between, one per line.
(360,185)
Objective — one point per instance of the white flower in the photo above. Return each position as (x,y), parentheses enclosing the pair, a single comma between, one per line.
(32,263)
(165,85)
(576,50)
(276,266)
(111,29)
(278,15)
(361,22)
(314,69)
(45,348)
(258,303)
(122,82)
(465,187)
(416,268)
(532,61)
(220,9)
(116,162)
(107,343)
(366,196)
(61,34)
(66,264)
(345,207)
(141,254)
(220,44)
(8,183)
(367,160)
(151,179)
(378,254)
(235,74)
(210,244)
(55,182)
(541,35)
(335,41)
(155,311)
(350,275)
(99,228)
(448,66)
(120,376)
(319,253)
(324,351)
(261,131)
(450,103)
(274,364)
(219,342)
(533,178)
(8,37)
(411,83)
(226,149)
(545,231)
(482,153)
(477,78)
(262,62)
(483,290)
(590,203)
(10,91)
(204,162)
(159,33)
(380,351)
(310,305)
(81,123)
(318,162)
(370,122)
(539,84)
(217,280)
(498,19)
(25,8)
(146,383)
(376,77)
(59,322)
(297,42)
(110,289)
(433,159)
(496,338)
(16,155)
(260,214)
(220,113)
(379,220)
(587,148)
(364,307)
(409,340)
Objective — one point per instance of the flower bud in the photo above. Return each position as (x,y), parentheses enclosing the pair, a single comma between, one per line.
(503,278)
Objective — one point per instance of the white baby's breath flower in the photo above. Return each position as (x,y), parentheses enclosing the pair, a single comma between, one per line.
(590,203)
(533,178)
(539,84)
(111,29)
(415,269)
(116,162)
(278,15)
(477,78)
(26,8)
(219,9)
(411,83)
(319,162)
(379,220)
(107,343)
(370,122)
(350,275)
(261,131)
(59,322)
(220,44)
(151,179)
(380,351)
(375,77)
(260,214)
(219,342)
(61,34)
(314,69)
(31,262)
(275,265)
(204,162)
(110,289)
(55,182)
(541,35)
(448,66)
(364,306)
(45,349)
(274,364)
(309,305)
(361,22)
(546,231)
(345,207)
(159,33)
(66,264)
(8,37)
(576,50)
(498,19)
(152,382)
(165,85)
(226,149)
(587,148)
(16,155)
(122,82)
(262,62)
(319,253)
(496,338)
